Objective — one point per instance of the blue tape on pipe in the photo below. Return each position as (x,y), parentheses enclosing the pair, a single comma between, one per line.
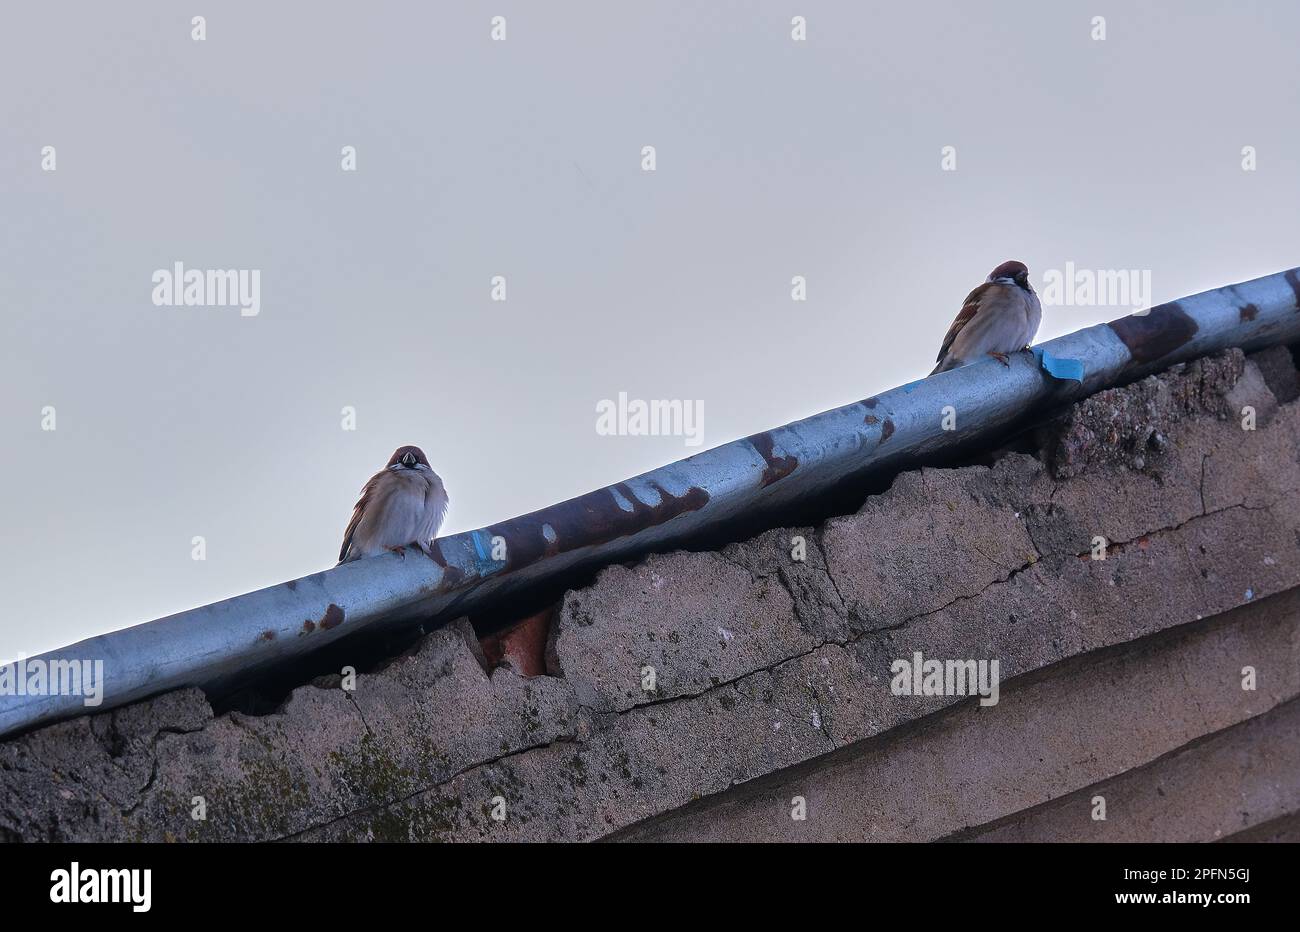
(486,565)
(1059,367)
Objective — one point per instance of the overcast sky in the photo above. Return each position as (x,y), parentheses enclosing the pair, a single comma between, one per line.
(523,158)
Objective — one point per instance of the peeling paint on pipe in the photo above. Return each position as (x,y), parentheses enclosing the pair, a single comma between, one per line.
(662,509)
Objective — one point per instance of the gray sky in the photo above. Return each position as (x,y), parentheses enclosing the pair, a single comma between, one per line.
(522,158)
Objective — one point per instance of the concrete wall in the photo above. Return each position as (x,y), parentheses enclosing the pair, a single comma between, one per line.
(1121,677)
(1097,725)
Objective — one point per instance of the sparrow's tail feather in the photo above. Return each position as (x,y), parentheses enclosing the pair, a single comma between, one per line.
(948,362)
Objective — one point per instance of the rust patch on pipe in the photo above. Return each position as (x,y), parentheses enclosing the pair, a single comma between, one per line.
(887,430)
(293,585)
(333,617)
(590,520)
(308,627)
(451,575)
(871,402)
(871,419)
(778,467)
(1292,277)
(267,635)
(1249,312)
(1155,335)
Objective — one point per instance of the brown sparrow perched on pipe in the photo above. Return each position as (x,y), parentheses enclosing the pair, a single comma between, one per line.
(999,317)
(402,504)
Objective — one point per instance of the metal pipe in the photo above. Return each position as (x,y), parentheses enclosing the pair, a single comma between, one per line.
(662,509)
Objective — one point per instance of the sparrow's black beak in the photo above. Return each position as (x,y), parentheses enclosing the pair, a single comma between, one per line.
(408,460)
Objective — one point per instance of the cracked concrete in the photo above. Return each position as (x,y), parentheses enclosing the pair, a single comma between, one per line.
(1090,718)
(689,674)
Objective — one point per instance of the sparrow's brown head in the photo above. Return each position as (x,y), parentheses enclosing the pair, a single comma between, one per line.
(408,457)
(1011,272)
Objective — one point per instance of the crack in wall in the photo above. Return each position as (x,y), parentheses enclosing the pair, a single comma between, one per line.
(433,787)
(144,791)
(361,715)
(826,568)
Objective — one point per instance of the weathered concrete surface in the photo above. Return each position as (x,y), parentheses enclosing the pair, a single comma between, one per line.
(1281,830)
(135,773)
(1077,723)
(689,673)
(1242,778)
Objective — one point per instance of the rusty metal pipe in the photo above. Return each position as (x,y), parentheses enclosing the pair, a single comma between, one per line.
(660,510)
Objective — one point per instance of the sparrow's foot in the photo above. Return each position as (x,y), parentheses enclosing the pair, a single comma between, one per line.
(1000,357)
(400,551)
(426,547)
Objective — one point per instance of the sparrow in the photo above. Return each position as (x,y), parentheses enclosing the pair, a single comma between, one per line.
(402,504)
(999,317)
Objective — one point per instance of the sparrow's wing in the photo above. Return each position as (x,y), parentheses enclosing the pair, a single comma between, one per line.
(970,307)
(363,503)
